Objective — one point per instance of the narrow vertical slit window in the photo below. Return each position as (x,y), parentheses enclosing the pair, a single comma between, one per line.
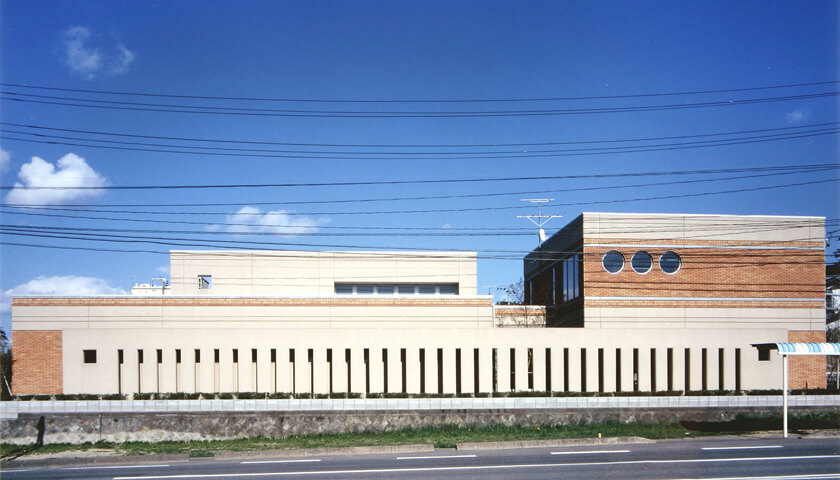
(635,369)
(330,368)
(583,370)
(687,370)
(292,370)
(310,362)
(197,354)
(704,374)
(177,355)
(531,369)
(565,369)
(366,354)
(617,369)
(457,370)
(476,371)
(384,370)
(548,369)
(440,370)
(273,361)
(495,364)
(670,360)
(601,370)
(652,369)
(403,368)
(737,369)
(721,370)
(512,369)
(119,371)
(422,370)
(347,363)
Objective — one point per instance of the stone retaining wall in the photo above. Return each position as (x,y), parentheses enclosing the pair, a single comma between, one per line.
(78,428)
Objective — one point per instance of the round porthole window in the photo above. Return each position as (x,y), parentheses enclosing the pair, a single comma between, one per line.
(642,262)
(613,261)
(670,262)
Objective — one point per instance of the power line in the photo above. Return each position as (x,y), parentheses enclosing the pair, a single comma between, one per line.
(496,145)
(325,100)
(413,156)
(472,209)
(427,181)
(241,111)
(798,170)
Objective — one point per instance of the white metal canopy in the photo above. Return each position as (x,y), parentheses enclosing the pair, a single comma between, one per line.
(785,349)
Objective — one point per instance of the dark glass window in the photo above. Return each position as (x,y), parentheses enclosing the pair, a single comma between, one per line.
(613,261)
(89,356)
(670,262)
(641,262)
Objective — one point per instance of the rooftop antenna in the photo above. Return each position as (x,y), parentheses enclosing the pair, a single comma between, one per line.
(539,219)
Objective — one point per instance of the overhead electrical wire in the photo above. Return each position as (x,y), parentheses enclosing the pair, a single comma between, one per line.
(470,209)
(422,181)
(265,112)
(415,100)
(413,156)
(795,171)
(479,145)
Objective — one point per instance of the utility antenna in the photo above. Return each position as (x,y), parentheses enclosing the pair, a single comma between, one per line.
(539,219)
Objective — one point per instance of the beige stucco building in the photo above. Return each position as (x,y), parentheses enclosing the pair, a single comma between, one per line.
(680,317)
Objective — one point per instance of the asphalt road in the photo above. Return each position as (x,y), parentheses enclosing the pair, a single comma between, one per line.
(739,458)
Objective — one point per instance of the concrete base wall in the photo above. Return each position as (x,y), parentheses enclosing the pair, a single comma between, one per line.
(76,428)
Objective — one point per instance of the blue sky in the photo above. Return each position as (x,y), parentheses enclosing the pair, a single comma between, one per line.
(398,51)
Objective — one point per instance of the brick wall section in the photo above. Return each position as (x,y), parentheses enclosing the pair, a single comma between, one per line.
(37,362)
(806,371)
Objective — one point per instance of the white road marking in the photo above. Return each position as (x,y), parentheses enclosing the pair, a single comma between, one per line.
(748,447)
(476,467)
(114,466)
(283,461)
(436,456)
(590,451)
(774,477)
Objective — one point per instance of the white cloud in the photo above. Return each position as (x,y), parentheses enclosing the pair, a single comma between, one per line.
(72,172)
(69,285)
(279,222)
(163,270)
(87,59)
(4,159)
(797,116)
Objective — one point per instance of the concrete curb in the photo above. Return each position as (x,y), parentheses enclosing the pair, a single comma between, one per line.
(311,452)
(92,460)
(564,442)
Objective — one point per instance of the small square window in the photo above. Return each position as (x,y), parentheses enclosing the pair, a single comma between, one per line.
(205,282)
(89,356)
(764,355)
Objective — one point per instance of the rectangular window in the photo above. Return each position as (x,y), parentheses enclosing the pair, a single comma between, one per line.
(367,370)
(737,369)
(457,370)
(205,282)
(177,355)
(440,370)
(364,289)
(403,365)
(763,355)
(600,369)
(216,355)
(687,363)
(448,289)
(635,369)
(197,355)
(703,371)
(548,369)
(495,373)
(530,369)
(426,289)
(384,370)
(253,355)
(670,369)
(139,356)
(120,358)
(512,369)
(235,355)
(89,356)
(385,289)
(273,355)
(720,369)
(344,289)
(406,290)
(159,356)
(565,369)
(617,369)
(652,369)
(329,367)
(476,371)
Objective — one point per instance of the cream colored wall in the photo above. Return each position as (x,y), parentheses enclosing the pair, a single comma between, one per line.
(265,376)
(759,228)
(299,273)
(468,315)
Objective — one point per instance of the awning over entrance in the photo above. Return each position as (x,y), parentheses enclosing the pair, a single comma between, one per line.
(801,348)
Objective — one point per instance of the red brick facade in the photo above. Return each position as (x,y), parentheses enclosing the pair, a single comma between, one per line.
(806,371)
(37,362)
